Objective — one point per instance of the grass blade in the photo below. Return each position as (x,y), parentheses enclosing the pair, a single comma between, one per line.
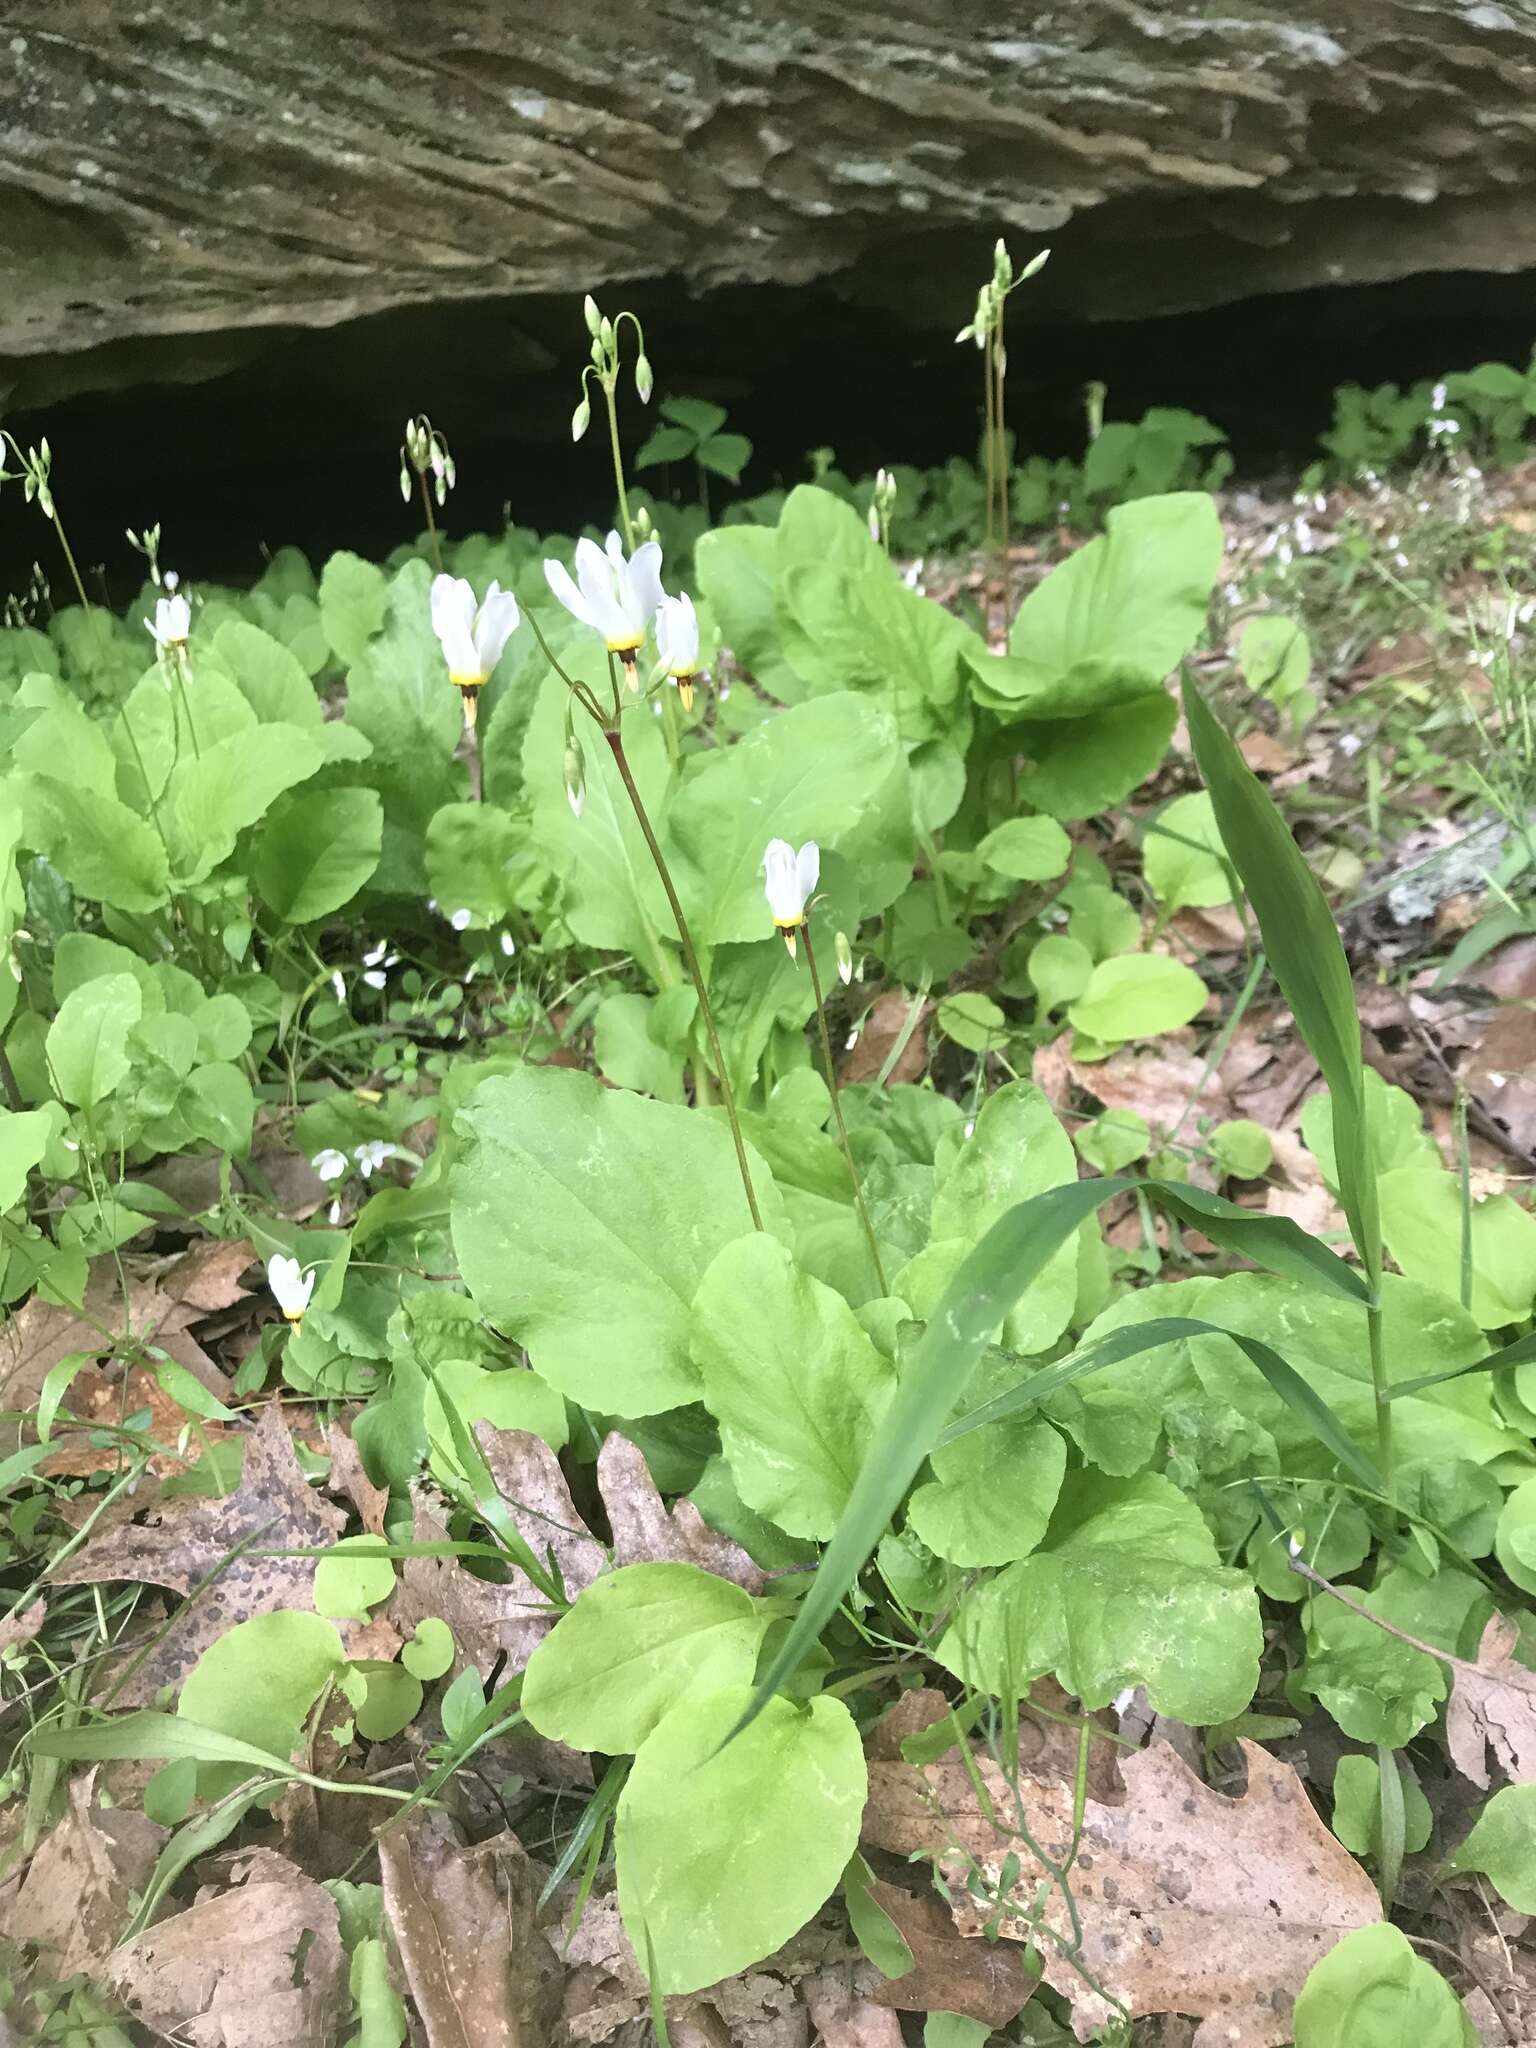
(1277,1243)
(1013,1253)
(1118,1345)
(1305,951)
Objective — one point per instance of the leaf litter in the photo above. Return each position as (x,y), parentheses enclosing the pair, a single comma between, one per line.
(1176,1898)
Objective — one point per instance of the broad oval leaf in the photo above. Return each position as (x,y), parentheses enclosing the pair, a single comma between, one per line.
(636,1643)
(725,1849)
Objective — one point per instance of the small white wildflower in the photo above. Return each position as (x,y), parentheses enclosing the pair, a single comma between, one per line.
(789,883)
(472,636)
(338,984)
(461,920)
(376,963)
(371,1156)
(172,623)
(616,597)
(508,944)
(677,644)
(970,1126)
(291,1286)
(329,1163)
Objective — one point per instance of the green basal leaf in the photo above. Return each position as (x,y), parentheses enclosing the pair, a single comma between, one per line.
(796,1386)
(726,1848)
(574,1241)
(1126,1590)
(316,851)
(1372,1991)
(1502,1845)
(638,1642)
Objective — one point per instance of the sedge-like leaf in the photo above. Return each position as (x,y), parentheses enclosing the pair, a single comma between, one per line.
(1303,947)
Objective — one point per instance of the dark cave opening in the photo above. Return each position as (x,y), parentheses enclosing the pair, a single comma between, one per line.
(298,443)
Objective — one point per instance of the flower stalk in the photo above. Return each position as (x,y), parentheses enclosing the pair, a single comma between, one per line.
(837,1109)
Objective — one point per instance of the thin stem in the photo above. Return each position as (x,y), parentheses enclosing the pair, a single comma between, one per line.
(1000,373)
(727,1093)
(69,556)
(1386,1453)
(432,540)
(476,759)
(618,467)
(837,1106)
(987,441)
(580,691)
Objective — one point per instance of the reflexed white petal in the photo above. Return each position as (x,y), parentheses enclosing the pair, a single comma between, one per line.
(172,621)
(558,577)
(601,577)
(779,882)
(291,1286)
(453,621)
(677,636)
(808,870)
(494,627)
(644,575)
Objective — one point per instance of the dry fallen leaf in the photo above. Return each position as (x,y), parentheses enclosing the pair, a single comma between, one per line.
(509,1621)
(606,1991)
(207,1275)
(40,1333)
(1190,1902)
(882,1026)
(1051,1071)
(273,1508)
(259,1966)
(645,1533)
(22,1626)
(104,1395)
(79,1889)
(349,1480)
(1156,1085)
(479,1972)
(984,1980)
(844,2018)
(1493,1707)
(1502,1073)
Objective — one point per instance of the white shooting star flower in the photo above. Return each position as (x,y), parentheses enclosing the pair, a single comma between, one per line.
(677,644)
(291,1286)
(329,1163)
(789,883)
(615,597)
(472,637)
(172,623)
(376,963)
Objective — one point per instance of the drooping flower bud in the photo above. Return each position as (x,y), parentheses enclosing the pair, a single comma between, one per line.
(644,381)
(844,958)
(575,776)
(581,419)
(591,315)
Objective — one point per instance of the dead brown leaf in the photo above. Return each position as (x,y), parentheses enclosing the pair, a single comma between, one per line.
(40,1333)
(606,1991)
(351,1482)
(1266,755)
(1502,1073)
(79,1889)
(1156,1085)
(480,1973)
(645,1533)
(184,1547)
(1051,1071)
(882,1026)
(1218,929)
(1493,1708)
(106,1394)
(1510,973)
(985,1980)
(259,1966)
(193,1178)
(207,1276)
(508,1620)
(1190,1902)
(21,1627)
(844,2018)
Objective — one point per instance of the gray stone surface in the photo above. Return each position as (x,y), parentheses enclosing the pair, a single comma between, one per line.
(176,177)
